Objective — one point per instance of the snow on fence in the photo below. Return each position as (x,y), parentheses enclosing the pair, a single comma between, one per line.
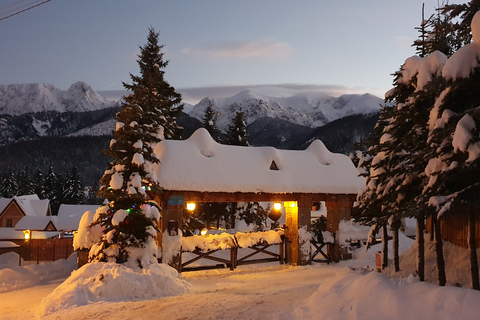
(204,246)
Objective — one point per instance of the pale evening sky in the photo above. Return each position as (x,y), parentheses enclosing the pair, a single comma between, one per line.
(341,46)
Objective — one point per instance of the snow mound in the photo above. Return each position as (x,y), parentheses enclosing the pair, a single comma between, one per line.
(344,297)
(19,277)
(205,143)
(95,282)
(476,28)
(457,261)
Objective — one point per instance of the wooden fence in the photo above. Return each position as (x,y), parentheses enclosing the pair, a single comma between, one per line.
(234,260)
(47,249)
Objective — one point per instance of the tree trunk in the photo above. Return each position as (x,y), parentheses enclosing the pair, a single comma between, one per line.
(384,246)
(472,245)
(432,227)
(439,250)
(421,247)
(396,259)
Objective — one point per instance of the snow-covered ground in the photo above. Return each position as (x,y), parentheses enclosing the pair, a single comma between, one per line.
(347,290)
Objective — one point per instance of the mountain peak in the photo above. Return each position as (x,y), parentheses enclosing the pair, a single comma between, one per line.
(17,99)
(311,109)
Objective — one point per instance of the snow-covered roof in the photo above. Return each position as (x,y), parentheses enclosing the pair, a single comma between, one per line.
(201,164)
(32,205)
(68,218)
(4,203)
(35,223)
(69,215)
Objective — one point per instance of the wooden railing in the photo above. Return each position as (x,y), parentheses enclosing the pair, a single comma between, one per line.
(235,261)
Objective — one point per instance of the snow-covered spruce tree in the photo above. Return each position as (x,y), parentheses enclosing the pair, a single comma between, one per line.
(436,34)
(454,160)
(210,121)
(9,186)
(147,115)
(394,176)
(158,100)
(459,17)
(73,188)
(237,132)
(25,182)
(39,183)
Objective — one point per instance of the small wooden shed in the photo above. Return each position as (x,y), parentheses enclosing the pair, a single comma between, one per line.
(201,170)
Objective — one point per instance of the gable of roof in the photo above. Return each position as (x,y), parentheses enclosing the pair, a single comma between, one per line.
(31,205)
(4,202)
(201,164)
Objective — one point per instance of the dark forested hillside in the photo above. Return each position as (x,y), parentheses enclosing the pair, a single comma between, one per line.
(341,135)
(49,123)
(60,153)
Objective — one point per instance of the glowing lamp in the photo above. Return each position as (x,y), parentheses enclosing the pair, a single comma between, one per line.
(190,206)
(290,204)
(26,234)
(277,206)
(204,231)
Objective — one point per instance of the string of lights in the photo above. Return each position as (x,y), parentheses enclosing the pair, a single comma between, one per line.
(22,8)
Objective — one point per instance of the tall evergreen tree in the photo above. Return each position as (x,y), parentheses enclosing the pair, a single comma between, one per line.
(158,100)
(147,115)
(25,183)
(454,154)
(73,188)
(210,121)
(395,175)
(50,184)
(460,17)
(237,132)
(9,186)
(436,34)
(39,183)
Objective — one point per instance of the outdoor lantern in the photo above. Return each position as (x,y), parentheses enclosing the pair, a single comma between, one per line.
(190,206)
(204,231)
(26,234)
(290,204)
(277,206)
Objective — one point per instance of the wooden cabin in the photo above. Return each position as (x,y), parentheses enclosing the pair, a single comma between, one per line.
(14,209)
(201,170)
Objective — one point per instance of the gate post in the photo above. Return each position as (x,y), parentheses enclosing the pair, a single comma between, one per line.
(291,232)
(171,249)
(333,223)
(304,226)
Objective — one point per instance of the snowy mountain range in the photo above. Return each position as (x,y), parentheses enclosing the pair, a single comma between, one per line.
(42,126)
(312,110)
(18,99)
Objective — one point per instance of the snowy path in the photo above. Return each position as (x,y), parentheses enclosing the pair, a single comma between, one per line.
(21,304)
(246,293)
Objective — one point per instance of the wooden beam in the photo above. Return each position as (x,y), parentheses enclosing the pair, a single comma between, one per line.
(253,197)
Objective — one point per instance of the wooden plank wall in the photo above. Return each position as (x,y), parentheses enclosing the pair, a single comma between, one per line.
(454,229)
